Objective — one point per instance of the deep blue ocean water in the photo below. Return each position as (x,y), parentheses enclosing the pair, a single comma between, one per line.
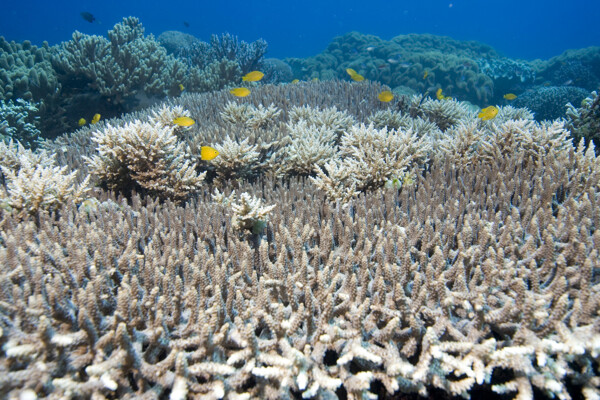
(517,28)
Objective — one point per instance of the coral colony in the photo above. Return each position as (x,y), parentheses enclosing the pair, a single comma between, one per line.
(411,233)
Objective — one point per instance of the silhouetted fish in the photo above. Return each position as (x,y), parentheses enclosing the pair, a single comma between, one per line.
(187,24)
(88,16)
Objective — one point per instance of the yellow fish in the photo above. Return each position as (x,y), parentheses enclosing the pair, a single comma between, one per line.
(488,113)
(95,119)
(184,121)
(510,96)
(357,77)
(208,153)
(385,96)
(351,72)
(240,92)
(296,81)
(425,74)
(81,122)
(315,79)
(439,94)
(181,87)
(253,76)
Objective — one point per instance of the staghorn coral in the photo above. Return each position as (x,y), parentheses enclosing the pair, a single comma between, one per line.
(144,156)
(444,113)
(329,118)
(369,158)
(236,161)
(249,214)
(32,183)
(484,281)
(398,121)
(249,116)
(584,122)
(308,146)
(474,142)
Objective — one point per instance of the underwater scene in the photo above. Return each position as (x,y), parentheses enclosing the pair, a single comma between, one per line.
(300,200)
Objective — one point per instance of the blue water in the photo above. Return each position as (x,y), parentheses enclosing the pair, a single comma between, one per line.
(517,28)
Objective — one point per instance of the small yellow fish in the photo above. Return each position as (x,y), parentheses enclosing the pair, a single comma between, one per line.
(296,81)
(240,92)
(181,87)
(488,113)
(425,74)
(81,121)
(208,153)
(510,96)
(253,76)
(439,94)
(357,77)
(351,72)
(184,121)
(315,79)
(385,96)
(95,119)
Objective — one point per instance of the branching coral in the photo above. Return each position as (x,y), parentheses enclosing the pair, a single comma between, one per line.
(33,183)
(147,156)
(330,118)
(250,116)
(19,121)
(236,160)
(584,122)
(248,56)
(122,65)
(249,214)
(308,146)
(398,121)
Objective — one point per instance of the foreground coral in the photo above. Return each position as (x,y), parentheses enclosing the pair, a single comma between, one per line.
(482,278)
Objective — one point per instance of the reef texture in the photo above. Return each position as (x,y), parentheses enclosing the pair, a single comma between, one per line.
(465,70)
(550,102)
(19,121)
(584,122)
(477,272)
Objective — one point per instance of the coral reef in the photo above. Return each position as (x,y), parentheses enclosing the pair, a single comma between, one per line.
(506,69)
(403,61)
(250,214)
(122,65)
(249,56)
(32,182)
(416,262)
(550,102)
(144,156)
(584,122)
(176,43)
(309,146)
(486,281)
(19,120)
(576,67)
(276,71)
(26,72)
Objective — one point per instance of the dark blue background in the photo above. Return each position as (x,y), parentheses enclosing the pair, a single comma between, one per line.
(517,28)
